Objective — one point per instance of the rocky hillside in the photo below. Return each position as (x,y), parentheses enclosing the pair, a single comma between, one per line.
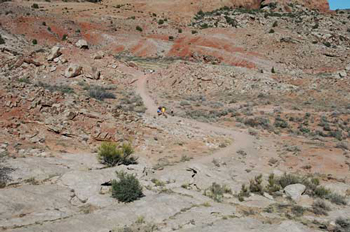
(255,136)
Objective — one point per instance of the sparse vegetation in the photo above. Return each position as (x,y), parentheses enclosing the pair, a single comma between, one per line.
(319,207)
(56,88)
(127,188)
(342,224)
(110,155)
(99,92)
(217,191)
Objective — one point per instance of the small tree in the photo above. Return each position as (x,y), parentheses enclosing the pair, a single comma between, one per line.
(110,155)
(139,28)
(127,189)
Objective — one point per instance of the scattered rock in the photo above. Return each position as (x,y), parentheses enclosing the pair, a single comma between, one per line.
(294,191)
(73,70)
(55,52)
(82,44)
(98,55)
(342,74)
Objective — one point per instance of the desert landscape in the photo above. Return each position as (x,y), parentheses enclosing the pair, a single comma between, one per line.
(255,136)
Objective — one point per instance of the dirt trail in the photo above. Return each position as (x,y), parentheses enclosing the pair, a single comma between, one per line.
(242,140)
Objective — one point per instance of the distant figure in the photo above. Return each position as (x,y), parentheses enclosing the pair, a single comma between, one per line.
(162,111)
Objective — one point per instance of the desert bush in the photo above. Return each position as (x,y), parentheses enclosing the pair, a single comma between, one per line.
(35,6)
(56,88)
(275,24)
(138,28)
(110,155)
(243,193)
(279,122)
(160,21)
(320,208)
(2,41)
(194,32)
(336,199)
(216,191)
(272,186)
(272,31)
(179,30)
(255,185)
(64,37)
(171,37)
(4,176)
(298,210)
(34,42)
(327,44)
(342,224)
(127,188)
(131,103)
(258,122)
(100,93)
(288,179)
(321,192)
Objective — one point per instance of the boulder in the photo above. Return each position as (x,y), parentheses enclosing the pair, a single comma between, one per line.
(348,68)
(95,74)
(82,44)
(55,52)
(73,70)
(342,74)
(98,55)
(295,191)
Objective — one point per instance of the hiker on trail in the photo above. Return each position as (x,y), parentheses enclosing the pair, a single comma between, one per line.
(161,111)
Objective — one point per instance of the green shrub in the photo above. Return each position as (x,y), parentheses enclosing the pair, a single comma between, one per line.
(43,23)
(49,28)
(35,42)
(64,37)
(138,28)
(275,24)
(110,155)
(179,30)
(272,31)
(171,37)
(127,188)
(243,193)
(2,41)
(279,122)
(194,32)
(321,192)
(327,44)
(160,21)
(35,6)
(216,191)
(273,70)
